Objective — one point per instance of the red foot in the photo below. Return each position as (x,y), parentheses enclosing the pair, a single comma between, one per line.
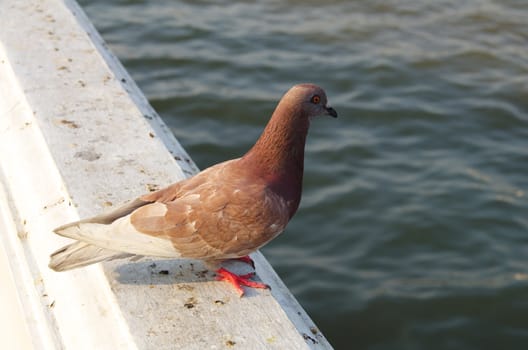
(239,281)
(246,259)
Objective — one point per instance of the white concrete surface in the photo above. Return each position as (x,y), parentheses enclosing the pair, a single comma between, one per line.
(13,328)
(78,137)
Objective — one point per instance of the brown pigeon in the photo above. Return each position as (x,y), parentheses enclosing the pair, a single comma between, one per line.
(224,212)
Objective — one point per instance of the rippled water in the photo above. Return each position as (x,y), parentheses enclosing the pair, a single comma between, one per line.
(413,230)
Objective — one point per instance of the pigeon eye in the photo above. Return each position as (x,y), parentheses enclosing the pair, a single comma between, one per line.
(315,99)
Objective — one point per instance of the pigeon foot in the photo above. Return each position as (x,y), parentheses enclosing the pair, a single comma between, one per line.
(239,280)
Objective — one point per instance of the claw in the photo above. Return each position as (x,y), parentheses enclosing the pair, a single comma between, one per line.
(239,281)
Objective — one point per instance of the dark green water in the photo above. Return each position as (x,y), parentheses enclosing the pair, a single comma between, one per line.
(413,230)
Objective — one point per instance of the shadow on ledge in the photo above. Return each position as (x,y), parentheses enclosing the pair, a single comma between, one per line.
(154,271)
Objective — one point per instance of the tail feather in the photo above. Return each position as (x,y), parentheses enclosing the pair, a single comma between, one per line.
(80,254)
(108,237)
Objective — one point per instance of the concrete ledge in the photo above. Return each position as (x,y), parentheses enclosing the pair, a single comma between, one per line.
(78,137)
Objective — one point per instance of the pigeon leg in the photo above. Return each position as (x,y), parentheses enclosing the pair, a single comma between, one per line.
(239,280)
(246,259)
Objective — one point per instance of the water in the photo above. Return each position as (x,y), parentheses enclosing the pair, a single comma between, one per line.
(413,229)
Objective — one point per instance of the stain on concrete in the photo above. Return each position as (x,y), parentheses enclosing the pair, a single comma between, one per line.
(88,155)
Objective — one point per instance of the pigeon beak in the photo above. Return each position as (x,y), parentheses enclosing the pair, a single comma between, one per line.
(331,112)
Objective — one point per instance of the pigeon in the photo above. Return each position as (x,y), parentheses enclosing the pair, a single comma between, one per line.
(224,212)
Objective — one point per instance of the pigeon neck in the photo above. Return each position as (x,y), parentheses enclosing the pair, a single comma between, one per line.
(278,155)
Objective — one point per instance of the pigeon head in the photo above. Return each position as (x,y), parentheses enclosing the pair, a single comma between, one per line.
(308,101)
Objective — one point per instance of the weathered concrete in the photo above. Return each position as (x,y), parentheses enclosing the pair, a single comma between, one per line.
(78,137)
